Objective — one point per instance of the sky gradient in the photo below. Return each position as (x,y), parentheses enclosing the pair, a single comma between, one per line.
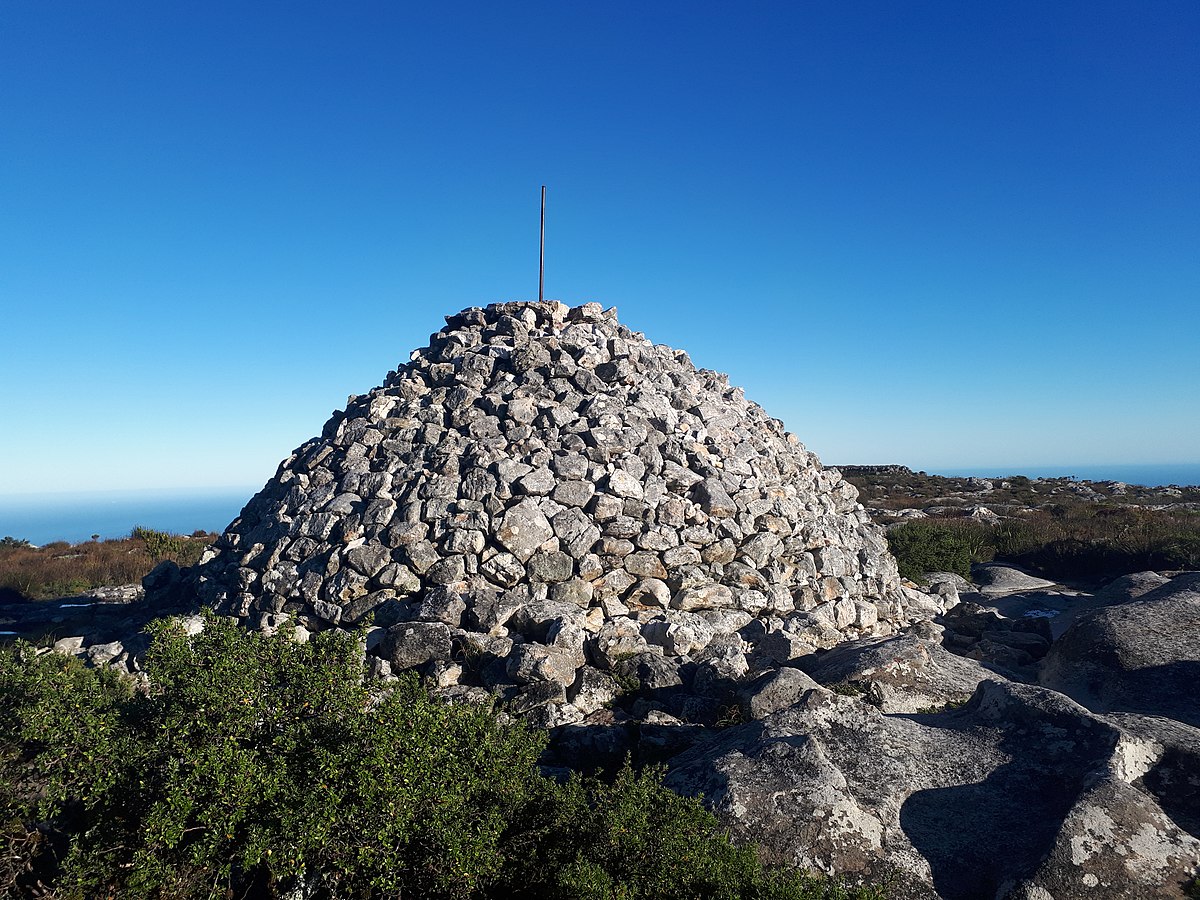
(936,234)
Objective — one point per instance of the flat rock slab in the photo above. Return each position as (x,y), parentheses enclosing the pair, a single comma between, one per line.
(1020,794)
(996,578)
(901,674)
(1061,606)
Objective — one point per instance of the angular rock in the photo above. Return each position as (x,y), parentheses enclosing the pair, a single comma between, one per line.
(1141,656)
(523,530)
(411,644)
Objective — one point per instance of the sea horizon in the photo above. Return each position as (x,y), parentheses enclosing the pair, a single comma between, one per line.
(75,516)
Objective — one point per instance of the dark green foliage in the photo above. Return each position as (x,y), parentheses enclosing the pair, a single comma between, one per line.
(256,766)
(257,762)
(159,544)
(1062,534)
(632,838)
(1092,542)
(931,546)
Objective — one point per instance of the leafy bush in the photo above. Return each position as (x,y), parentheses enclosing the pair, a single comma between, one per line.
(256,766)
(633,839)
(933,546)
(1090,542)
(159,544)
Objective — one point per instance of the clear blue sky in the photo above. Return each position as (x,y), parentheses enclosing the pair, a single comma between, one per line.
(942,234)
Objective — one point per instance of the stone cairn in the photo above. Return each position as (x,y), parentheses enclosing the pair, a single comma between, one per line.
(545,507)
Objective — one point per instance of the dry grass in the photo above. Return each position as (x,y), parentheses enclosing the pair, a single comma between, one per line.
(63,570)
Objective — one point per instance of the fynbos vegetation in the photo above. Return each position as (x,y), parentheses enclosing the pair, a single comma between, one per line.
(62,570)
(257,766)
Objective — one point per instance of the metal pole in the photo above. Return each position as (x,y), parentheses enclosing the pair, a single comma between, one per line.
(542,252)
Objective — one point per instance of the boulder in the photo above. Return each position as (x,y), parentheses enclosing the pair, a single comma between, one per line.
(999,578)
(901,674)
(1139,656)
(1021,793)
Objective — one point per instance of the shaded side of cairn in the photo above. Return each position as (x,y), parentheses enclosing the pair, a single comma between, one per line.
(541,494)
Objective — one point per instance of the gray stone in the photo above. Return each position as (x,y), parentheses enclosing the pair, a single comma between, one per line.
(592,690)
(576,531)
(503,569)
(621,484)
(442,604)
(550,566)
(645,565)
(399,578)
(901,674)
(617,639)
(711,496)
(651,671)
(410,644)
(679,633)
(523,530)
(539,482)
(449,570)
(1140,656)
(773,692)
(708,596)
(574,590)
(649,592)
(533,662)
(831,783)
(573,493)
(997,578)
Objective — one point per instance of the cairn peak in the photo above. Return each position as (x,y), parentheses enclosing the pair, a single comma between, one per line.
(541,498)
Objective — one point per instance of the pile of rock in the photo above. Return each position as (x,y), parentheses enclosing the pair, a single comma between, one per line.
(542,496)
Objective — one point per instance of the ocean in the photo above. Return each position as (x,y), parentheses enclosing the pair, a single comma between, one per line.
(43,518)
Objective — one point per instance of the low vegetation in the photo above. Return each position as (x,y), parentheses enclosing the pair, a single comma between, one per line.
(247,765)
(1064,529)
(64,570)
(1090,543)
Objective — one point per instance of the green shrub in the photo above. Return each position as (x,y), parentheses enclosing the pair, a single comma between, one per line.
(934,546)
(255,766)
(159,544)
(256,763)
(634,839)
(1179,552)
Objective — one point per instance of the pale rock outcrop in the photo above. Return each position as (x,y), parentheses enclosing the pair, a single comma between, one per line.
(1019,794)
(1141,656)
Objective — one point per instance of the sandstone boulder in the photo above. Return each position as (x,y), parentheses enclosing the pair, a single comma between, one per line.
(1019,794)
(1140,656)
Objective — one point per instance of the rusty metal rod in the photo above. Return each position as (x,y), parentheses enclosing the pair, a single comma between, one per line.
(542,252)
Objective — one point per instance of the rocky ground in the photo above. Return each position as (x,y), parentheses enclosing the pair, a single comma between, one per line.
(994,750)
